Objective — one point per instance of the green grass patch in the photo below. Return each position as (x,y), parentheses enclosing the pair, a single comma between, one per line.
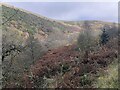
(110,78)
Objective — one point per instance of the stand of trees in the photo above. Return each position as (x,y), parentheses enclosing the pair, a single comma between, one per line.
(16,56)
(87,42)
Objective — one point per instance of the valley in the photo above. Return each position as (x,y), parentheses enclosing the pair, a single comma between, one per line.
(39,52)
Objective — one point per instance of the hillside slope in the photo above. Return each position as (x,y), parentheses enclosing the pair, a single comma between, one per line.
(46,30)
(50,33)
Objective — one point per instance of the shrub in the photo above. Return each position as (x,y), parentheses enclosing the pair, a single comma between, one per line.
(85,80)
(64,68)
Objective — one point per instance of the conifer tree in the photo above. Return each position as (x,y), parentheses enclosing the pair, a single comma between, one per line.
(104,37)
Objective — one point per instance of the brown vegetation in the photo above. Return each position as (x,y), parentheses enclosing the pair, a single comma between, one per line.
(67,55)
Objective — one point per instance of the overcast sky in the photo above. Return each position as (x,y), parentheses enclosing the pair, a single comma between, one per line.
(104,11)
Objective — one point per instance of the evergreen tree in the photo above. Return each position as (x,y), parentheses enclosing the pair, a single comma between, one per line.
(104,37)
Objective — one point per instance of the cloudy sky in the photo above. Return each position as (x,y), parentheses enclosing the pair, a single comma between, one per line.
(104,11)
